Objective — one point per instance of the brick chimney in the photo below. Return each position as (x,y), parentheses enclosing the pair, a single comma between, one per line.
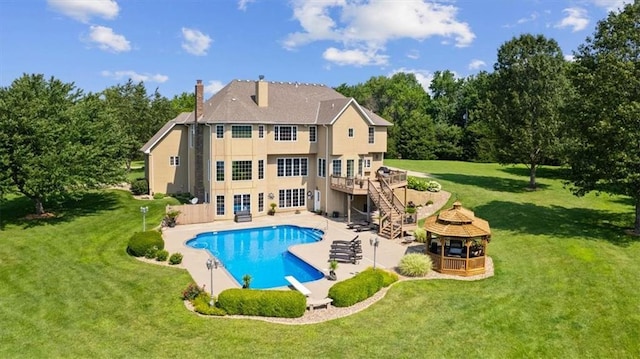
(262,92)
(198,185)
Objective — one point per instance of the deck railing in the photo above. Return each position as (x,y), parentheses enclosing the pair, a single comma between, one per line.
(454,265)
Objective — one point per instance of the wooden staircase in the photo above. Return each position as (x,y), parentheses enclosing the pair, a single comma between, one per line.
(391,208)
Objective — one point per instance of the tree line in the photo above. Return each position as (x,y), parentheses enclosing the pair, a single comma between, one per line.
(534,108)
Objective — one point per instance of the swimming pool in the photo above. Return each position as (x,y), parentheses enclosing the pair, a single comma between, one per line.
(262,253)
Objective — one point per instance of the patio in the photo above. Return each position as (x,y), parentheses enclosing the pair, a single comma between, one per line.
(388,254)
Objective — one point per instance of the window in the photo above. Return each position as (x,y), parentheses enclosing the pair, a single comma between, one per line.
(351,132)
(241,170)
(241,131)
(220,205)
(367,163)
(241,202)
(313,133)
(371,135)
(337,168)
(350,168)
(290,167)
(261,131)
(260,202)
(286,133)
(219,170)
(174,161)
(260,169)
(322,167)
(219,131)
(288,198)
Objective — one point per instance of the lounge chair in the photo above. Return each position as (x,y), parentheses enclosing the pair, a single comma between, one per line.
(347,250)
(337,241)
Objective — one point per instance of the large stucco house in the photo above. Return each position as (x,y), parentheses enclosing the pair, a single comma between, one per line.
(300,146)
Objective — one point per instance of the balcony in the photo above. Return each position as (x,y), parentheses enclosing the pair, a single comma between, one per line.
(349,185)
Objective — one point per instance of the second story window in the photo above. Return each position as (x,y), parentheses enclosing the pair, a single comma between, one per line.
(351,132)
(261,131)
(292,167)
(337,168)
(241,170)
(219,131)
(371,135)
(286,133)
(219,170)
(322,167)
(174,161)
(241,131)
(313,133)
(260,169)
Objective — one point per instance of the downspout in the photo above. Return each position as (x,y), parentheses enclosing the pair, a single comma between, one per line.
(211,163)
(326,168)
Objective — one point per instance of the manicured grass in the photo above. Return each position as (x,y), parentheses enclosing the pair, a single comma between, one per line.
(136,172)
(566,285)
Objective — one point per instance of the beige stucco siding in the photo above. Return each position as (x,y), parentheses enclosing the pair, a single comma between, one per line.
(163,177)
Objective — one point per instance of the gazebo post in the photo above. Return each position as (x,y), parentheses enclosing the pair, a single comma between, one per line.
(442,242)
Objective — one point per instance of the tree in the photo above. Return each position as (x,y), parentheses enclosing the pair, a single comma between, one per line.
(605,121)
(138,115)
(55,141)
(527,90)
(185,102)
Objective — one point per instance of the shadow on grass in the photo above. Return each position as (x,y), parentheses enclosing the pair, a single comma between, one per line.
(557,173)
(15,210)
(490,183)
(558,221)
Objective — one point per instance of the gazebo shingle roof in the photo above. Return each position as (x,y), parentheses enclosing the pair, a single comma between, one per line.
(457,222)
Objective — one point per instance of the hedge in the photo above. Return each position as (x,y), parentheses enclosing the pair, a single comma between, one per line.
(201,304)
(140,242)
(264,303)
(362,286)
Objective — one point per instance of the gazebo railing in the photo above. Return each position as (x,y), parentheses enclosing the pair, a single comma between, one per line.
(455,265)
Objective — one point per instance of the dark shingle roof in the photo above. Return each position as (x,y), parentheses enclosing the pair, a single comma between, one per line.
(288,103)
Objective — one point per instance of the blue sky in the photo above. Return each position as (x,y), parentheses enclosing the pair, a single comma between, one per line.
(169,44)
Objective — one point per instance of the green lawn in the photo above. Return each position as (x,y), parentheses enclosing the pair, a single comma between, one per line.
(565,285)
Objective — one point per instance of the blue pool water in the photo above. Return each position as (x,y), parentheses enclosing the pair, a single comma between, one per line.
(262,253)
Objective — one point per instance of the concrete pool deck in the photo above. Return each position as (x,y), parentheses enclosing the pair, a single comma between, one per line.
(388,254)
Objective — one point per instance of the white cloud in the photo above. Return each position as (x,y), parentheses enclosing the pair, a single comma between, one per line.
(136,77)
(242,4)
(576,18)
(531,17)
(569,58)
(424,77)
(84,10)
(611,5)
(213,87)
(354,57)
(366,27)
(108,40)
(195,42)
(413,54)
(475,64)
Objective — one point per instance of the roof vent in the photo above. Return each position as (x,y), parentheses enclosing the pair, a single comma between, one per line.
(260,77)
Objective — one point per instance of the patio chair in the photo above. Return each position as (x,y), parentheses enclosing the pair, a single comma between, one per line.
(354,240)
(455,248)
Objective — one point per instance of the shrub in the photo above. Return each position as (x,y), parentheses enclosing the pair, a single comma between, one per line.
(140,242)
(388,278)
(354,290)
(418,184)
(158,195)
(162,255)
(139,186)
(433,186)
(192,291)
(415,265)
(420,234)
(151,252)
(175,258)
(265,303)
(429,202)
(201,304)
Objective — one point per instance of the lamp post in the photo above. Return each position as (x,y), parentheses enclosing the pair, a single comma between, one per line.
(144,211)
(374,241)
(211,265)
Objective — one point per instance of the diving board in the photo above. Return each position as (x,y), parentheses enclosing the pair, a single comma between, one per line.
(298,286)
